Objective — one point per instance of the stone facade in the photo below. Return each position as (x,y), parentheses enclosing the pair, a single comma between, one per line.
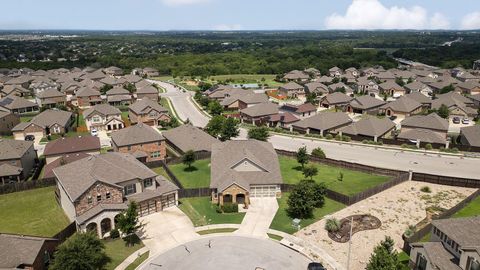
(82,204)
(231,194)
(101,122)
(155,150)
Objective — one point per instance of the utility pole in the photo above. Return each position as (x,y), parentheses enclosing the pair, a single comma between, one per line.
(349,244)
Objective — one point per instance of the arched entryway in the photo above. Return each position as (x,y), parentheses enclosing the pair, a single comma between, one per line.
(115,220)
(227,198)
(240,198)
(106,225)
(92,227)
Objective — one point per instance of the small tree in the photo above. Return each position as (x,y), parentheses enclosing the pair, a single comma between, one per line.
(229,129)
(259,133)
(384,257)
(127,222)
(443,111)
(215,108)
(310,171)
(304,197)
(332,225)
(215,126)
(81,251)
(302,156)
(318,152)
(188,158)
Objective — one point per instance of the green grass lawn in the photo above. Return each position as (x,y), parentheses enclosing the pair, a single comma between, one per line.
(118,251)
(470,210)
(32,212)
(198,176)
(26,118)
(219,230)
(138,261)
(353,181)
(283,222)
(161,171)
(202,212)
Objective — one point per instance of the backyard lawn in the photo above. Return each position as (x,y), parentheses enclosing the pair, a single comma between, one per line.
(353,181)
(470,210)
(32,212)
(161,171)
(118,251)
(282,222)
(202,212)
(195,177)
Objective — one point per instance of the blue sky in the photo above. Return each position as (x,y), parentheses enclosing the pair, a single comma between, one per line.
(240,14)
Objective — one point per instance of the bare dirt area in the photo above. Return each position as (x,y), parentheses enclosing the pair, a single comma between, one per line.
(397,208)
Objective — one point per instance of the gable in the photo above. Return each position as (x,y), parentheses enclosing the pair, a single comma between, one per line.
(246,165)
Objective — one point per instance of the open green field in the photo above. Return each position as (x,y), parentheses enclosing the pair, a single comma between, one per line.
(118,251)
(202,212)
(283,222)
(197,176)
(32,212)
(246,78)
(353,181)
(470,210)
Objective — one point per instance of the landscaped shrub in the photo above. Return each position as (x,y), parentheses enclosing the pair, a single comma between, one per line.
(114,233)
(340,176)
(372,142)
(329,136)
(449,150)
(346,138)
(428,146)
(332,225)
(314,136)
(318,153)
(230,208)
(426,189)
(408,146)
(338,137)
(410,231)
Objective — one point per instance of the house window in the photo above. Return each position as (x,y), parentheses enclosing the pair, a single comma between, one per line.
(472,264)
(89,199)
(130,189)
(155,154)
(99,197)
(147,182)
(107,195)
(95,119)
(421,263)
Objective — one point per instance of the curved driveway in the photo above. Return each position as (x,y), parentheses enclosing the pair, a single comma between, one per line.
(384,158)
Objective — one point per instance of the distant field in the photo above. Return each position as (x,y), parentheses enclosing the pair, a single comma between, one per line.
(233,78)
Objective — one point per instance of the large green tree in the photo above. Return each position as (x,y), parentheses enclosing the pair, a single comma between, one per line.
(230,129)
(215,108)
(81,251)
(128,224)
(188,158)
(215,126)
(305,196)
(443,111)
(259,133)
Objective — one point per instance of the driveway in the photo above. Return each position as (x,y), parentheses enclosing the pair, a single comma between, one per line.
(166,229)
(104,138)
(258,218)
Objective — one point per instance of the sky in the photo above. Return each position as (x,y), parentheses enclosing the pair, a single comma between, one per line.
(239,14)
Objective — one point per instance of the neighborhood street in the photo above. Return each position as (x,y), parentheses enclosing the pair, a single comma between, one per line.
(385,158)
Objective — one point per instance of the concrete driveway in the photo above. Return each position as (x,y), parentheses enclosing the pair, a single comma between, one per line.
(104,138)
(258,218)
(166,229)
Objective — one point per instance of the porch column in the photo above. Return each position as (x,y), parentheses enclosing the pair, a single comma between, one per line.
(321,132)
(253,121)
(375,138)
(308,131)
(176,198)
(418,143)
(99,230)
(447,144)
(112,220)
(291,128)
(340,133)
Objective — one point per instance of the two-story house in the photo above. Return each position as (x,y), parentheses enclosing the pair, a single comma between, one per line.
(92,191)
(51,98)
(292,90)
(103,117)
(87,96)
(118,96)
(17,159)
(148,112)
(140,140)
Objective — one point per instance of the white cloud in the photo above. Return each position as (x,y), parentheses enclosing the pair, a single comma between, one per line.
(372,14)
(471,21)
(183,2)
(228,27)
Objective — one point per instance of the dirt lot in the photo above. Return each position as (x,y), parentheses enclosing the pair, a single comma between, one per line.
(396,208)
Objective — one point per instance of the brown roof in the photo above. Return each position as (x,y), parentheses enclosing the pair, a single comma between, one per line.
(46,119)
(17,251)
(227,155)
(9,170)
(302,108)
(472,135)
(431,121)
(103,109)
(284,117)
(296,75)
(324,121)
(390,85)
(464,231)
(291,86)
(87,92)
(188,137)
(164,186)
(136,134)
(100,208)
(366,102)
(371,126)
(337,98)
(13,149)
(69,158)
(49,93)
(145,105)
(403,104)
(14,102)
(419,97)
(262,109)
(67,145)
(147,90)
(422,135)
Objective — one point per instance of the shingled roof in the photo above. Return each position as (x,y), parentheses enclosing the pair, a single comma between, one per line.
(403,104)
(13,149)
(431,121)
(66,145)
(464,231)
(17,250)
(261,109)
(324,121)
(14,103)
(145,105)
(366,102)
(188,137)
(103,109)
(472,135)
(136,134)
(371,126)
(46,119)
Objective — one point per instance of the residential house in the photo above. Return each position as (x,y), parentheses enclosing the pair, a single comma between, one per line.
(258,114)
(282,120)
(297,75)
(467,76)
(457,104)
(17,105)
(113,71)
(140,140)
(22,80)
(133,79)
(322,123)
(370,72)
(365,105)
(150,72)
(148,112)
(402,107)
(476,100)
(64,160)
(7,121)
(26,252)
(391,88)
(385,76)
(103,117)
(119,96)
(51,98)
(353,71)
(46,123)
(454,244)
(87,97)
(292,90)
(313,72)
(14,90)
(61,147)
(244,169)
(340,87)
(92,191)
(220,92)
(116,82)
(469,87)
(335,72)
(421,98)
(424,128)
(417,86)
(317,88)
(243,100)
(17,160)
(364,85)
(187,137)
(39,86)
(337,100)
(325,79)
(300,111)
(147,92)
(470,136)
(371,128)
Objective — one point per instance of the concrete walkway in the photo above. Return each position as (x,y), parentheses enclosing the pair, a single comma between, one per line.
(130,259)
(258,218)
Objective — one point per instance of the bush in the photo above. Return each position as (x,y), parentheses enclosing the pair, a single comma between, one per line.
(346,138)
(332,225)
(449,150)
(318,153)
(410,231)
(426,189)
(428,146)
(230,208)
(338,137)
(329,136)
(114,233)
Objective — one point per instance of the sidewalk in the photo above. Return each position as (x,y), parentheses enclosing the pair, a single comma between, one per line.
(130,259)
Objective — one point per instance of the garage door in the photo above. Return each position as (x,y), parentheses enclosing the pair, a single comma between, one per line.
(168,201)
(147,208)
(264,191)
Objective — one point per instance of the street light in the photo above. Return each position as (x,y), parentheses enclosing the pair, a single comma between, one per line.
(350,244)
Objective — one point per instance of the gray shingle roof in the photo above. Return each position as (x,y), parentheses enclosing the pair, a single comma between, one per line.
(438,256)
(144,105)
(117,90)
(8,170)
(291,86)
(431,121)
(164,186)
(472,135)
(423,135)
(366,102)
(49,93)
(67,145)
(419,97)
(100,208)
(262,109)
(47,119)
(136,134)
(103,109)
(337,98)
(87,92)
(403,104)
(371,126)
(13,149)
(324,121)
(188,137)
(112,168)
(464,231)
(147,90)
(17,250)
(226,155)
(14,102)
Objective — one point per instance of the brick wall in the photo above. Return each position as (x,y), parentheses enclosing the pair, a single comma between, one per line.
(147,148)
(82,205)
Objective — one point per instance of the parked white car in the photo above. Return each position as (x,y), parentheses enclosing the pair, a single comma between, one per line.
(94,132)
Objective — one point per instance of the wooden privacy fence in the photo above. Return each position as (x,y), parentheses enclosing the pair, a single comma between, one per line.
(66,232)
(194,192)
(27,185)
(198,156)
(446,180)
(421,233)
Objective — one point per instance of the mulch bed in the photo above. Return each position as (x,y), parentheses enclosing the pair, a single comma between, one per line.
(360,223)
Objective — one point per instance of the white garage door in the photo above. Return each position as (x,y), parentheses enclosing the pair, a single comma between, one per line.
(264,191)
